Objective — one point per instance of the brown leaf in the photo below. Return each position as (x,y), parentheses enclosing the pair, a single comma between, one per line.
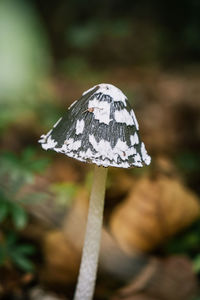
(153,211)
(75,221)
(62,249)
(61,260)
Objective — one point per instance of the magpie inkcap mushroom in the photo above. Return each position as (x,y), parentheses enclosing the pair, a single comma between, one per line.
(99,128)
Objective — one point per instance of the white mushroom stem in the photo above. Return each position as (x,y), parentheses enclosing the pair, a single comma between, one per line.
(89,261)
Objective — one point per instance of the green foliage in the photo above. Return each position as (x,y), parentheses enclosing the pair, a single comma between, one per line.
(14,211)
(83,36)
(196,263)
(17,171)
(65,192)
(188,161)
(20,169)
(12,251)
(37,107)
(187,243)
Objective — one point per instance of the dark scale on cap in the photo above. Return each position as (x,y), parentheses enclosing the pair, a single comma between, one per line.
(99,128)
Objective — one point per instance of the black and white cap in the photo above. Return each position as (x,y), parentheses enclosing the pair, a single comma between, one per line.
(99,128)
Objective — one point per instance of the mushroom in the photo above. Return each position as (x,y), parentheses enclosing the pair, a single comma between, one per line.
(99,128)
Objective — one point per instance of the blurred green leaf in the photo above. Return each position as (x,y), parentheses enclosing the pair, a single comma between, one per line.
(183,244)
(39,165)
(15,172)
(4,210)
(2,255)
(28,153)
(196,263)
(16,252)
(65,192)
(11,239)
(188,161)
(25,249)
(21,169)
(186,242)
(83,36)
(22,261)
(19,216)
(33,198)
(30,161)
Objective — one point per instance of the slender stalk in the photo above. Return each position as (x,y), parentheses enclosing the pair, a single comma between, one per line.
(89,261)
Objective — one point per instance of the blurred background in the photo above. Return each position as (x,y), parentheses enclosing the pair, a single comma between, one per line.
(50,52)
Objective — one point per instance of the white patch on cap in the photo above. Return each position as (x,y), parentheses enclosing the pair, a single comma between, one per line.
(49,144)
(135,120)
(69,145)
(123,150)
(86,155)
(110,90)
(72,145)
(123,116)
(57,123)
(137,159)
(80,126)
(42,139)
(101,110)
(134,139)
(105,150)
(146,158)
(98,158)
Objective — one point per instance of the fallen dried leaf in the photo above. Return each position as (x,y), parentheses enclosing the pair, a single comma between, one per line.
(153,211)
(61,260)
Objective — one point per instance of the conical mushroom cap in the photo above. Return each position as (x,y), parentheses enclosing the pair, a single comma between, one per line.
(99,128)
